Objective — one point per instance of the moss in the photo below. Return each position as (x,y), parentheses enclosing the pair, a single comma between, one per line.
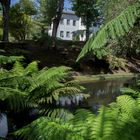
(89,78)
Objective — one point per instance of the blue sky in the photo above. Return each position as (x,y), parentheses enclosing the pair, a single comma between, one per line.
(67,3)
(14,1)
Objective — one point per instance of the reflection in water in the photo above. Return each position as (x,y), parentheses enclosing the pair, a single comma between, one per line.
(104,92)
(66,101)
(101,92)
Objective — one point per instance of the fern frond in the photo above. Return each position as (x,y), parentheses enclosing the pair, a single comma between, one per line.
(57,113)
(43,94)
(10,59)
(13,98)
(103,124)
(129,91)
(83,122)
(17,69)
(112,30)
(127,105)
(32,68)
(49,129)
(52,74)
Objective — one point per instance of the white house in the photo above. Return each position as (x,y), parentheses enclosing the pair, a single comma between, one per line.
(68,25)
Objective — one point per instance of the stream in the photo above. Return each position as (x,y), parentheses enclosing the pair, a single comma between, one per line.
(104,92)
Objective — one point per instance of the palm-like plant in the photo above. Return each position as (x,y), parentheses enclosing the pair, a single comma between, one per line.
(119,121)
(114,29)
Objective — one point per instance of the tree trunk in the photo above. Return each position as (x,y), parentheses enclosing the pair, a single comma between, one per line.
(56,20)
(87,32)
(55,27)
(88,24)
(5,7)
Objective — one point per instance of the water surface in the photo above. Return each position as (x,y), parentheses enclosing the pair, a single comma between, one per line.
(104,92)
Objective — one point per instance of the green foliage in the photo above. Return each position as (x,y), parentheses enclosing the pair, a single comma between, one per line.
(10,59)
(44,38)
(14,98)
(20,27)
(115,62)
(48,10)
(42,89)
(28,7)
(111,9)
(88,12)
(114,29)
(47,128)
(1,31)
(119,121)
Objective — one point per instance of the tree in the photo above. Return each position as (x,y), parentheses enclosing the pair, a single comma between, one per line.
(57,17)
(47,10)
(128,45)
(5,8)
(87,10)
(20,27)
(51,10)
(114,29)
(111,9)
(28,7)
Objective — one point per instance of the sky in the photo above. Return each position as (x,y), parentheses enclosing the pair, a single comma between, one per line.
(14,1)
(67,3)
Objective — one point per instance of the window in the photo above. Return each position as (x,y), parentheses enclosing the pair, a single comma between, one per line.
(62,21)
(68,22)
(68,34)
(61,33)
(74,22)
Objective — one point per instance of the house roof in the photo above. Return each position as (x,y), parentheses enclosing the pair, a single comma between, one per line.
(69,12)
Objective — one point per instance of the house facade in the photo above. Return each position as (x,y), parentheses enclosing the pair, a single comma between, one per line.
(68,27)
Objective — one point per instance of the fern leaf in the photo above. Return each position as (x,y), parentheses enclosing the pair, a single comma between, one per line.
(112,30)
(13,98)
(32,68)
(127,105)
(52,74)
(129,91)
(10,59)
(49,129)
(18,68)
(103,124)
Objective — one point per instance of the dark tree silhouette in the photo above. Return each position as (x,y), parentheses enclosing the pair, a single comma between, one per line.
(5,8)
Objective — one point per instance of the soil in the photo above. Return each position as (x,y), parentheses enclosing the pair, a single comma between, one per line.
(65,54)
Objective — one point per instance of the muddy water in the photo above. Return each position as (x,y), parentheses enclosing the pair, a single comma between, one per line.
(104,92)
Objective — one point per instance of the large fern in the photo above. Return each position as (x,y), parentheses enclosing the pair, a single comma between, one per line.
(44,89)
(49,129)
(12,99)
(112,30)
(119,121)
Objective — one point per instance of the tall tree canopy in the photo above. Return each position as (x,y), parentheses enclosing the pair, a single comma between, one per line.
(87,10)
(28,7)
(111,9)
(51,11)
(20,27)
